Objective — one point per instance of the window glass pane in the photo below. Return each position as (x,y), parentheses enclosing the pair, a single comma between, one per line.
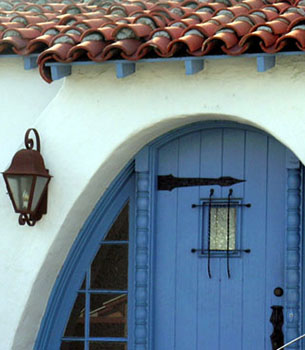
(219,228)
(107,346)
(109,269)
(72,345)
(108,315)
(83,286)
(119,230)
(75,326)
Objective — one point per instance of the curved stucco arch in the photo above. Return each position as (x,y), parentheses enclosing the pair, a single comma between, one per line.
(93,177)
(89,194)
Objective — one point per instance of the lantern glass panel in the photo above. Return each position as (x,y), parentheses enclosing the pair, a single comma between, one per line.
(20,186)
(39,189)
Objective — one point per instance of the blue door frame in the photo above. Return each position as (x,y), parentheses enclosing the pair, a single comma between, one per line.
(86,245)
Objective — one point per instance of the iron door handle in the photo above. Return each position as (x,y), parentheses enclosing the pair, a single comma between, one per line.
(277,320)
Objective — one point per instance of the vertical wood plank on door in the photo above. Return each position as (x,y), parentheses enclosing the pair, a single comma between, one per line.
(192,311)
(209,289)
(253,236)
(231,289)
(275,229)
(187,238)
(165,253)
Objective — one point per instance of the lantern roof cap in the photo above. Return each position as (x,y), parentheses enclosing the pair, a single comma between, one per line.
(27,162)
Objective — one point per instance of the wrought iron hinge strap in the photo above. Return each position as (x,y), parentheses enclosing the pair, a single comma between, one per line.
(169,182)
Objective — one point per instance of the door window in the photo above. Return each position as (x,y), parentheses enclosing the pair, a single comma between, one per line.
(220,229)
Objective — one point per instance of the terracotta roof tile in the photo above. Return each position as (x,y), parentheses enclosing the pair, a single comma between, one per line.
(99,30)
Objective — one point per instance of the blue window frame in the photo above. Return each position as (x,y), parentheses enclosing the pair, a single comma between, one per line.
(73,285)
(99,318)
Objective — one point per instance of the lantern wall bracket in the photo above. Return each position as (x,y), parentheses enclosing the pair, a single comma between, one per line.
(29,142)
(27,181)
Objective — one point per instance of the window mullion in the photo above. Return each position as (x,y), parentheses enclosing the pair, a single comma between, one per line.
(87,309)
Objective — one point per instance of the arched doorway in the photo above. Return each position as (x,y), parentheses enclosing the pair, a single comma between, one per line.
(206,267)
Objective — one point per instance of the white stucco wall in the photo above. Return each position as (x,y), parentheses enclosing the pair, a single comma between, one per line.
(24,95)
(89,131)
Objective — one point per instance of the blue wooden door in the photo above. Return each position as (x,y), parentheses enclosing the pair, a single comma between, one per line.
(195,311)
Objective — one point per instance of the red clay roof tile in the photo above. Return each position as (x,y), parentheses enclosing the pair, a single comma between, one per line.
(101,30)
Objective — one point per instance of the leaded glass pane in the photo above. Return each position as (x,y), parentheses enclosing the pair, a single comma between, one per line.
(75,326)
(219,228)
(83,286)
(108,315)
(72,345)
(109,269)
(119,229)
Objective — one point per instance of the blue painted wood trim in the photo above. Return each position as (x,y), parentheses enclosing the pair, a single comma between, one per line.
(193,66)
(185,130)
(59,72)
(79,258)
(177,59)
(142,160)
(87,309)
(125,69)
(292,162)
(265,63)
(108,339)
(103,291)
(131,269)
(30,62)
(293,258)
(114,242)
(142,268)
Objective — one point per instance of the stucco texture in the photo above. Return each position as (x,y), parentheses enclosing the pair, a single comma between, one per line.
(93,126)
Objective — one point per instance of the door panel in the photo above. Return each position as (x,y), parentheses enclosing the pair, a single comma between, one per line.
(231,289)
(254,237)
(166,250)
(186,266)
(211,166)
(191,310)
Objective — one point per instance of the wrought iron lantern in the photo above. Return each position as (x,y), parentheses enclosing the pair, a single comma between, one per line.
(27,181)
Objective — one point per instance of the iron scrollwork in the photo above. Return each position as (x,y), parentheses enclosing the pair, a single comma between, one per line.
(226,204)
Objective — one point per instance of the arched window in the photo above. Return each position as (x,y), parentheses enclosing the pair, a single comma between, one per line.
(99,318)
(92,303)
